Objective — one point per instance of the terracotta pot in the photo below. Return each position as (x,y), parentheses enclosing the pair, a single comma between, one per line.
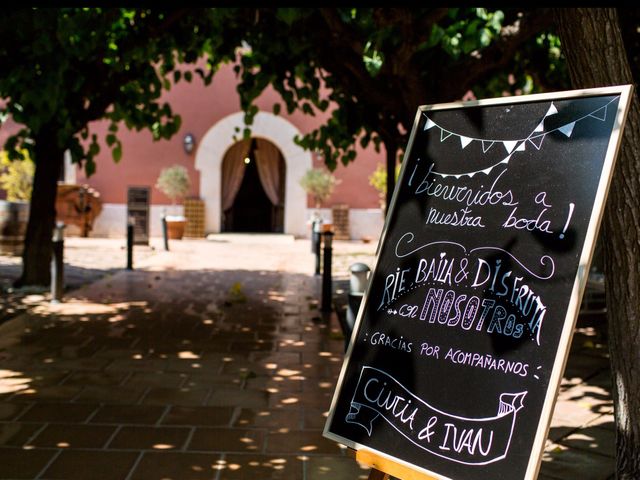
(175,229)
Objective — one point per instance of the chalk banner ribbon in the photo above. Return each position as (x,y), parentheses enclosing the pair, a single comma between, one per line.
(471,441)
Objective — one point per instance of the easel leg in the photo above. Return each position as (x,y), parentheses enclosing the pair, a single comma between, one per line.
(376,474)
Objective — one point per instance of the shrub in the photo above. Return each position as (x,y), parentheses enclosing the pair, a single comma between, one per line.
(318,183)
(174,182)
(16,177)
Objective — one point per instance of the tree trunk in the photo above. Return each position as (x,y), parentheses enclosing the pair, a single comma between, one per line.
(596,56)
(392,151)
(42,214)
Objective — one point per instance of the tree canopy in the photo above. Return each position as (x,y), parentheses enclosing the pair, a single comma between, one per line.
(66,67)
(379,64)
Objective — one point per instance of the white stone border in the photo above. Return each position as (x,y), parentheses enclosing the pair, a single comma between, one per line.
(280,132)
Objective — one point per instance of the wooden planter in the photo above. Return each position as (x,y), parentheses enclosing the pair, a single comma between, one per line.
(175,229)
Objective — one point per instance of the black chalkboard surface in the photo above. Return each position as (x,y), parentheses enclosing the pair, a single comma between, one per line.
(463,334)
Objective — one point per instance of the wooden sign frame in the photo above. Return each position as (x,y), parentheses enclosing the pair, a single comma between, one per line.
(383,461)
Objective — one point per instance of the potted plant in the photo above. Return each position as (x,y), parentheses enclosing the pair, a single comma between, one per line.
(174,183)
(320,184)
(378,180)
(16,178)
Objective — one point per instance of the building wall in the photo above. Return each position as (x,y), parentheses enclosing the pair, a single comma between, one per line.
(202,108)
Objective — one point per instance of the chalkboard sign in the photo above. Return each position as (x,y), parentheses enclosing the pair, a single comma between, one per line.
(138,199)
(463,333)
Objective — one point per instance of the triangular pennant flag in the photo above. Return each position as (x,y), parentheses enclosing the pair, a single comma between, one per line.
(464,141)
(429,124)
(567,129)
(600,114)
(486,145)
(552,110)
(509,144)
(487,171)
(472,174)
(444,134)
(457,177)
(537,139)
(540,127)
(521,147)
(506,160)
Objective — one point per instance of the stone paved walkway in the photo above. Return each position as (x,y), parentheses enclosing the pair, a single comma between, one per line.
(211,361)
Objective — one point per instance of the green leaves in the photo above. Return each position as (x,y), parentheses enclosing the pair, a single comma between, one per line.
(373,59)
(66,67)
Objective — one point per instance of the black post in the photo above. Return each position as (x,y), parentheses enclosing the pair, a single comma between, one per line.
(327,287)
(130,244)
(165,233)
(57,263)
(316,244)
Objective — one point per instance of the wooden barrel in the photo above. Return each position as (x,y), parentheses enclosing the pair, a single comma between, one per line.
(13,226)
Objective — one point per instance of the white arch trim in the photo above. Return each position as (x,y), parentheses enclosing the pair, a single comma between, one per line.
(280,132)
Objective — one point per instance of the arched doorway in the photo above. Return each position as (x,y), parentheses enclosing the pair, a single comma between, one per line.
(280,132)
(253,187)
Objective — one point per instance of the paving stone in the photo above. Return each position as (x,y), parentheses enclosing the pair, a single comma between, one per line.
(227,440)
(290,418)
(73,436)
(150,438)
(329,468)
(90,465)
(562,463)
(98,379)
(263,467)
(230,396)
(605,421)
(315,418)
(62,393)
(18,463)
(592,439)
(171,465)
(190,372)
(16,434)
(173,396)
(110,395)
(9,411)
(128,414)
(156,379)
(202,416)
(65,412)
(301,442)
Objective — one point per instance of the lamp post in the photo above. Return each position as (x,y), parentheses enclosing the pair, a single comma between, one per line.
(327,286)
(358,279)
(315,241)
(57,263)
(130,226)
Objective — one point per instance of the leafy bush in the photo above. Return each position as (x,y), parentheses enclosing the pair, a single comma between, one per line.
(174,182)
(16,177)
(378,180)
(319,183)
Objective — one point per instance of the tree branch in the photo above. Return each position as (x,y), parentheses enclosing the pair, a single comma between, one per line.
(474,68)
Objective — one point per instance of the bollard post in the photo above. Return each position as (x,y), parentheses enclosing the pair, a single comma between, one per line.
(315,242)
(130,225)
(327,286)
(358,278)
(57,263)
(165,232)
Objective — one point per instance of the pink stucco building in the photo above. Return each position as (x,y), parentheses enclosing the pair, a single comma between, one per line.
(211,114)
